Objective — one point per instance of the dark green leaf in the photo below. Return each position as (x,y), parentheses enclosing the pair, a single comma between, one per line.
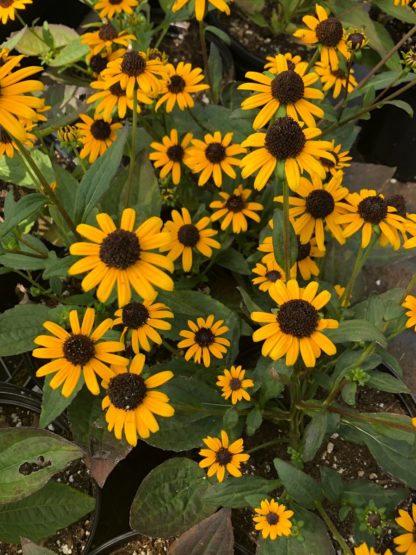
(356,330)
(405,106)
(22,262)
(300,486)
(278,239)
(332,484)
(385,382)
(235,493)
(359,492)
(254,420)
(315,432)
(54,403)
(27,208)
(19,326)
(233,260)
(215,68)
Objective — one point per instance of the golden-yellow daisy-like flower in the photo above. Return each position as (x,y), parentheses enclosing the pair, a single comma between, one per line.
(78,351)
(109,8)
(402,2)
(180,83)
(212,156)
(222,457)
(273,62)
(273,519)
(122,257)
(169,155)
(406,543)
(186,236)
(96,136)
(68,134)
(268,273)
(414,422)
(317,207)
(356,39)
(234,384)
(105,38)
(297,327)
(9,147)
(328,33)
(17,108)
(410,303)
(98,62)
(340,290)
(203,339)
(114,99)
(143,320)
(200,7)
(367,209)
(235,209)
(336,79)
(290,88)
(287,142)
(409,58)
(363,549)
(341,159)
(8,9)
(132,401)
(135,70)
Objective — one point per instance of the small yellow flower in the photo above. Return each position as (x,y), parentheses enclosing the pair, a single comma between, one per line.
(203,339)
(96,136)
(109,8)
(356,39)
(269,272)
(335,79)
(363,549)
(200,7)
(68,134)
(169,154)
(410,303)
(233,384)
(114,99)
(235,209)
(409,58)
(273,519)
(8,9)
(406,543)
(180,83)
(221,457)
(341,159)
(273,62)
(105,38)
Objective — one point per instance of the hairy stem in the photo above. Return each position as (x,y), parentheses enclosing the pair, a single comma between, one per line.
(333,529)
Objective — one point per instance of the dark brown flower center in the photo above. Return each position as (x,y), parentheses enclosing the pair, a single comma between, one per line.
(285,138)
(188,235)
(100,130)
(107,32)
(329,31)
(98,63)
(288,87)
(339,73)
(127,391)
(356,40)
(215,153)
(116,90)
(115,2)
(290,64)
(120,249)
(78,349)
(298,318)
(235,384)
(374,520)
(133,64)
(134,315)
(303,251)
(373,209)
(204,337)
(273,275)
(272,518)
(320,203)
(176,85)
(329,164)
(6,3)
(235,203)
(399,203)
(175,153)
(4,136)
(223,456)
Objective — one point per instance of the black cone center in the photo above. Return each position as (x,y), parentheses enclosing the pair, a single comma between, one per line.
(98,63)
(273,275)
(272,518)
(298,318)
(215,153)
(288,87)
(100,130)
(235,384)
(133,64)
(285,138)
(175,153)
(235,203)
(4,136)
(116,90)
(188,235)
(399,203)
(176,84)
(78,349)
(107,32)
(204,337)
(303,251)
(320,203)
(127,391)
(134,315)
(120,249)
(223,456)
(329,31)
(373,209)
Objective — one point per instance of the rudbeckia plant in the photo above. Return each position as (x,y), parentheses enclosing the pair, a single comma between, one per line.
(190,251)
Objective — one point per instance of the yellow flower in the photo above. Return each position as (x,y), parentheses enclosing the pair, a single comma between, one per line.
(143,320)
(233,384)
(234,209)
(203,340)
(122,257)
(402,2)
(98,62)
(169,154)
(132,401)
(297,327)
(363,549)
(68,134)
(78,351)
(335,79)
(286,87)
(110,8)
(273,519)
(200,7)
(285,141)
(212,156)
(186,236)
(105,38)
(114,98)
(16,107)
(328,33)
(340,290)
(180,83)
(367,209)
(8,9)
(410,303)
(9,147)
(96,136)
(341,159)
(221,457)
(356,39)
(409,58)
(414,422)
(273,62)
(268,273)
(406,543)
(316,207)
(135,70)
(410,227)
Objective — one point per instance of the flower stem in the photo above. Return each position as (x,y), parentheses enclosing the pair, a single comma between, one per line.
(312,60)
(132,151)
(286,222)
(265,445)
(333,529)
(408,290)
(204,52)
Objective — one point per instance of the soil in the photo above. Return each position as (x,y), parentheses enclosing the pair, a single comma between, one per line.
(145,546)
(71,540)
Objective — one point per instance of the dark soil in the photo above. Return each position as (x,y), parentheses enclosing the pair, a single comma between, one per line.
(145,546)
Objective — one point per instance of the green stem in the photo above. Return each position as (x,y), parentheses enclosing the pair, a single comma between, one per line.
(344,101)
(169,347)
(32,248)
(204,51)
(286,222)
(78,157)
(265,445)
(410,286)
(23,253)
(404,72)
(360,260)
(133,150)
(164,29)
(333,529)
(312,60)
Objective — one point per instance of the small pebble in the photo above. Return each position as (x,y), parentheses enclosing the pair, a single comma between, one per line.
(373,476)
(330,447)
(361,473)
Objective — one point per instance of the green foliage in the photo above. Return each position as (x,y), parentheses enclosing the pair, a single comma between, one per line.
(321,425)
(54,403)
(19,326)
(239,493)
(300,486)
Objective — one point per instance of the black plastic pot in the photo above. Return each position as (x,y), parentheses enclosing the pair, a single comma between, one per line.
(110,546)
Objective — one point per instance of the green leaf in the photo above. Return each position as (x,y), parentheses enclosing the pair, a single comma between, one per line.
(40,515)
(233,260)
(54,403)
(230,419)
(356,330)
(98,179)
(235,493)
(300,486)
(402,13)
(254,420)
(22,262)
(315,432)
(19,326)
(358,493)
(215,67)
(218,33)
(385,382)
(27,208)
(402,105)
(31,43)
(30,548)
(71,53)
(14,38)
(277,239)
(271,377)
(212,536)
(170,499)
(15,169)
(332,484)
